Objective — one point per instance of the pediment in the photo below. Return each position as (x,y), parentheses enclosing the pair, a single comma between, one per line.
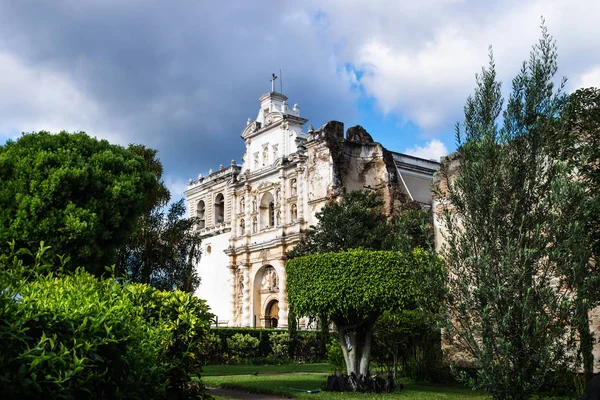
(252,127)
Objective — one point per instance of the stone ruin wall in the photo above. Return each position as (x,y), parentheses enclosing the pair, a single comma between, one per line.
(454,354)
(337,165)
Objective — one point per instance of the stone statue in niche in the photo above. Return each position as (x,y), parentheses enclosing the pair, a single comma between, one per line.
(277,194)
(254,225)
(270,280)
(265,155)
(278,217)
(294,187)
(254,204)
(274,283)
(275,152)
(256,160)
(294,213)
(242,204)
(242,227)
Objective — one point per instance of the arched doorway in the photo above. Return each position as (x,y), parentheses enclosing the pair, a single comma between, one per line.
(271,314)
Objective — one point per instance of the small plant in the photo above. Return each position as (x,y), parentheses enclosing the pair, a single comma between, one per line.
(242,345)
(280,344)
(335,358)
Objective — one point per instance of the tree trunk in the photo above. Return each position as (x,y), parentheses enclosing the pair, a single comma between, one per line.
(356,345)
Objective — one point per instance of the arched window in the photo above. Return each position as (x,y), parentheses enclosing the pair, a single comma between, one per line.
(294,213)
(219,209)
(242,227)
(267,211)
(201,213)
(293,187)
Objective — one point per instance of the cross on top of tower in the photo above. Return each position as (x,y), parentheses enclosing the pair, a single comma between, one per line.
(273,82)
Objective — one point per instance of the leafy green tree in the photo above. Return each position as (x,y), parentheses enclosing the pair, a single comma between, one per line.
(354,222)
(354,288)
(164,247)
(80,195)
(507,210)
(580,146)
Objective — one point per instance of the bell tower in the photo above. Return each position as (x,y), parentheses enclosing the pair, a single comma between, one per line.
(274,134)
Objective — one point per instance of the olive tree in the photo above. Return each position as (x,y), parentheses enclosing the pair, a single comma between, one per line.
(353,288)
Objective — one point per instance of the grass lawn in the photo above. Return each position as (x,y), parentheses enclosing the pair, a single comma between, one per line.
(273,385)
(220,370)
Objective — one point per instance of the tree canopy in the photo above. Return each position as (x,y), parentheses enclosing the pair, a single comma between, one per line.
(80,195)
(354,222)
(163,249)
(353,288)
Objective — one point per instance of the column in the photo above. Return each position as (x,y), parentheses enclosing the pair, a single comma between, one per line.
(246,305)
(282,317)
(233,221)
(300,188)
(232,295)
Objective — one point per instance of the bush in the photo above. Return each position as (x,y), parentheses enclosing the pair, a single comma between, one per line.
(219,352)
(280,344)
(243,345)
(76,336)
(335,357)
(410,341)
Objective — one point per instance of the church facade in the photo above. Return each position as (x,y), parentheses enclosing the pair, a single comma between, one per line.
(252,214)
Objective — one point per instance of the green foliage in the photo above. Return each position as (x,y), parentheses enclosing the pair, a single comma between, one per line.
(164,246)
(217,350)
(80,194)
(508,211)
(243,345)
(280,344)
(581,149)
(409,340)
(77,336)
(163,250)
(354,288)
(335,357)
(356,285)
(354,222)
(413,227)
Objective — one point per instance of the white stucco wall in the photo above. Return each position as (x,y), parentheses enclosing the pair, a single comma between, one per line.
(216,278)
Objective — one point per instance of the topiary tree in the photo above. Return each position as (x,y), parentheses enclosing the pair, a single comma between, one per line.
(353,288)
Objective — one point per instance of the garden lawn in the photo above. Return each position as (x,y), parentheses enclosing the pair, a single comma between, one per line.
(274,384)
(220,370)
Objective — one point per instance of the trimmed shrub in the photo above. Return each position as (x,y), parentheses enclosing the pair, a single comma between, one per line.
(219,352)
(280,344)
(243,345)
(76,336)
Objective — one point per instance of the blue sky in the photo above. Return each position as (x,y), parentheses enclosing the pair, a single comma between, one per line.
(183,76)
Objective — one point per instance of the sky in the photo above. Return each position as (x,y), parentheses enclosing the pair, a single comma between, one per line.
(183,76)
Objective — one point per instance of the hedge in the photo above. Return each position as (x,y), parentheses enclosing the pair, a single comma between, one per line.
(75,336)
(218,352)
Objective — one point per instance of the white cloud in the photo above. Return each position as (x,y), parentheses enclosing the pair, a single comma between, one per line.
(176,186)
(590,78)
(419,59)
(432,150)
(35,99)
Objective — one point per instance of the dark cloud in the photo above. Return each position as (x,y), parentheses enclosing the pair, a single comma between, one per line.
(180,76)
